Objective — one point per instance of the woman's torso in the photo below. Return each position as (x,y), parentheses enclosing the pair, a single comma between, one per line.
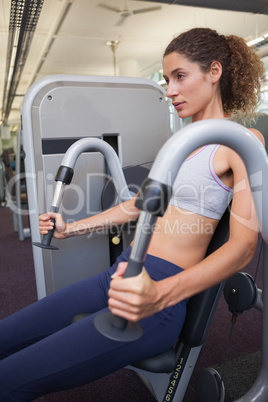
(182,236)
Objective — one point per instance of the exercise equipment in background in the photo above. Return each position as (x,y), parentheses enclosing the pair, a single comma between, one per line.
(66,170)
(14,194)
(130,114)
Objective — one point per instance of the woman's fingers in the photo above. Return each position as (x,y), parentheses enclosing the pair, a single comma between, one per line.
(45,223)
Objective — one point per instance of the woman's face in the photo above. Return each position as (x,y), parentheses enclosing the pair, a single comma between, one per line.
(191,90)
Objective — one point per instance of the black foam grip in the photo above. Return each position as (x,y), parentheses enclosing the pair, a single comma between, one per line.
(153,197)
(48,237)
(133,269)
(64,174)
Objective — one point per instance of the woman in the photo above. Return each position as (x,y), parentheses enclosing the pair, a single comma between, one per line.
(209,76)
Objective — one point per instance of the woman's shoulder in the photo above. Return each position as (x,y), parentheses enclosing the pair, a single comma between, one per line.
(233,160)
(229,152)
(258,135)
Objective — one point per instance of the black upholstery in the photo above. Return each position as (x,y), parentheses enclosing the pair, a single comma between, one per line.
(162,363)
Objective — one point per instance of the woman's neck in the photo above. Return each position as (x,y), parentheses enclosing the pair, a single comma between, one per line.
(213,110)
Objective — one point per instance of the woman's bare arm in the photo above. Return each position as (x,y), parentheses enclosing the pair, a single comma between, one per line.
(115,216)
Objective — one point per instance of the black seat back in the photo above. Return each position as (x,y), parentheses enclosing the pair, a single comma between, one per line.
(201,307)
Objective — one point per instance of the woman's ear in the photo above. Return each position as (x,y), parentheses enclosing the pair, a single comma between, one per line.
(215,71)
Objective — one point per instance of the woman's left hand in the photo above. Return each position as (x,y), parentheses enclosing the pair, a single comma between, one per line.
(133,298)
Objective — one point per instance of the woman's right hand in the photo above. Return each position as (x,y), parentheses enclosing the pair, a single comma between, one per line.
(46,224)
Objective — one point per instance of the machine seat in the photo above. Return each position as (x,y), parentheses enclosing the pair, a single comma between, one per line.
(163,363)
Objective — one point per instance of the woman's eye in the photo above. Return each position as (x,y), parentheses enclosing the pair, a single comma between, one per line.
(180,76)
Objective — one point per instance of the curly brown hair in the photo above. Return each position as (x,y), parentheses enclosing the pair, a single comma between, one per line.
(242,70)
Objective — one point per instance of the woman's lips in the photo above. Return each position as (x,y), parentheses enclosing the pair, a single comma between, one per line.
(178,105)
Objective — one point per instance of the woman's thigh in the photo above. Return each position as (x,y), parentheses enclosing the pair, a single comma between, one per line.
(52,313)
(78,354)
(56,311)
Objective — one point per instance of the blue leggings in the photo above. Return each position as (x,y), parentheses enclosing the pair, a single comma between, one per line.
(42,352)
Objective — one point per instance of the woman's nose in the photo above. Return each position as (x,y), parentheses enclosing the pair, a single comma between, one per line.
(171,90)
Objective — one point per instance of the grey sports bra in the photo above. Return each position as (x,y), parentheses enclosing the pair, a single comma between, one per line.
(198,189)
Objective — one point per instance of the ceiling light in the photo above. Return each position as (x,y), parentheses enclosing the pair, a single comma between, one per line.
(112,43)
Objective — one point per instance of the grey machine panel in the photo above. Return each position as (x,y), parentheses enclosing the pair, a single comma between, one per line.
(129,113)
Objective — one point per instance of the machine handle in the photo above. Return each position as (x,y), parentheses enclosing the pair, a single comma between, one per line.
(47,239)
(134,268)
(115,327)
